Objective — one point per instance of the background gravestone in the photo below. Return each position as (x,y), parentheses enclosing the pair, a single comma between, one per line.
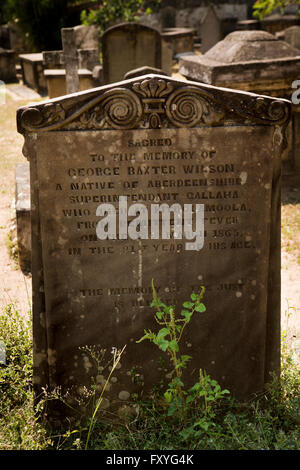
(7,65)
(33,71)
(22,206)
(155,140)
(292,36)
(77,67)
(254,61)
(277,22)
(70,59)
(4,36)
(143,48)
(210,29)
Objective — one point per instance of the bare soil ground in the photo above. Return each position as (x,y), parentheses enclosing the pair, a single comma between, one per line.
(16,287)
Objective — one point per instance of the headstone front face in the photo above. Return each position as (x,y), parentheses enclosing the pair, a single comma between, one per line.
(155,140)
(128,46)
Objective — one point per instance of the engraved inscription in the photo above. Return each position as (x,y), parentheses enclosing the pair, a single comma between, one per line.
(182,171)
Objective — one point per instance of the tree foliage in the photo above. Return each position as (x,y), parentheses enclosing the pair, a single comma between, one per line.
(40,20)
(108,12)
(263,8)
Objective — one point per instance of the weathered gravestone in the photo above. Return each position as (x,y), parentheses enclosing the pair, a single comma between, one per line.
(179,39)
(70,59)
(128,46)
(254,61)
(73,69)
(278,22)
(247,25)
(4,36)
(154,140)
(33,72)
(7,65)
(22,205)
(292,36)
(210,29)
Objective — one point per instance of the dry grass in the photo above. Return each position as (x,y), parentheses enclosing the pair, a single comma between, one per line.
(290,221)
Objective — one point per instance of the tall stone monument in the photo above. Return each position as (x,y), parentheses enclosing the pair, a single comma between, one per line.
(116,153)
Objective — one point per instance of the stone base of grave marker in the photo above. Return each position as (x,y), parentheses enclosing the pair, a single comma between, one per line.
(22,204)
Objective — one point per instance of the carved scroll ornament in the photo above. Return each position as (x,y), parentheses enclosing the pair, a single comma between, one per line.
(154,103)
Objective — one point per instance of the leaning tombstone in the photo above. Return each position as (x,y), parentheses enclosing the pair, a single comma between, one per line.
(254,61)
(140,45)
(104,164)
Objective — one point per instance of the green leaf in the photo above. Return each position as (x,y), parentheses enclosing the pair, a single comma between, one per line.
(159,315)
(161,304)
(168,396)
(162,344)
(200,308)
(173,345)
(188,304)
(186,314)
(172,409)
(163,332)
(148,335)
(194,296)
(203,424)
(189,399)
(185,358)
(176,382)
(154,291)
